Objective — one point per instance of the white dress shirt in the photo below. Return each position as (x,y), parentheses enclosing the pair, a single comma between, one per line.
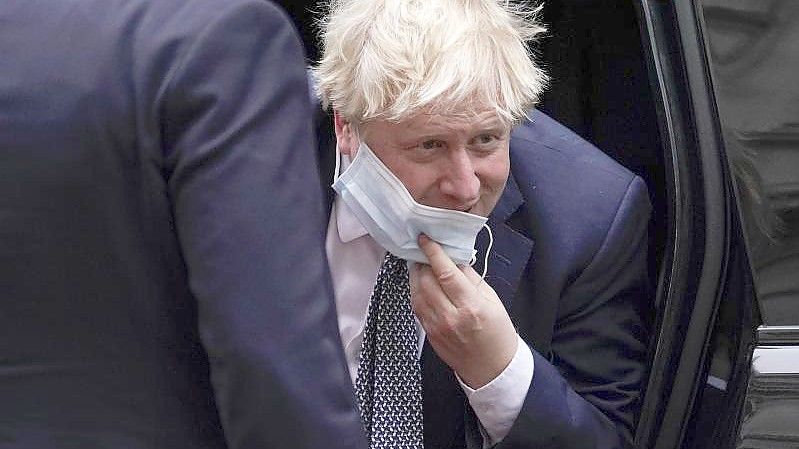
(355,260)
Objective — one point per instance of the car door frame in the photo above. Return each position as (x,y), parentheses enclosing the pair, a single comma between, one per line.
(694,269)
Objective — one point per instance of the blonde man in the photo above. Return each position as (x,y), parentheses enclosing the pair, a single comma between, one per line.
(541,344)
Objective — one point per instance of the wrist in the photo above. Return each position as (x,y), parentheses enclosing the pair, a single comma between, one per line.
(482,371)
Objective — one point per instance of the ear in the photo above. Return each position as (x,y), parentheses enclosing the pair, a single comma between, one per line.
(346,138)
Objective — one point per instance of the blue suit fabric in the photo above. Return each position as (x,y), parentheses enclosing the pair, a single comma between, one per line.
(163,283)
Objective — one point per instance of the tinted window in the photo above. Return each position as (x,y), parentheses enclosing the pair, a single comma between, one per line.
(754,57)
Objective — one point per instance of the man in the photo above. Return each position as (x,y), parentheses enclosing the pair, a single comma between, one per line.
(152,165)
(547,349)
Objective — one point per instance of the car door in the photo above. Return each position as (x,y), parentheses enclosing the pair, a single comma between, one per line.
(725,74)
(753,49)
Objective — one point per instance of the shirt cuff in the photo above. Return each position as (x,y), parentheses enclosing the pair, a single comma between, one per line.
(497,404)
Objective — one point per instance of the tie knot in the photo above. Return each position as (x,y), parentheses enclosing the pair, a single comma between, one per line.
(392,258)
(394,265)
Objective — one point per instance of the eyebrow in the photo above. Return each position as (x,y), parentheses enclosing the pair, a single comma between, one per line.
(428,131)
(496,128)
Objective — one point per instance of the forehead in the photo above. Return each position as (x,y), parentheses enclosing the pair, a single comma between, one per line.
(443,123)
(464,122)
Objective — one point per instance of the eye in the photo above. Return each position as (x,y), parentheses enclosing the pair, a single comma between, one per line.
(431,144)
(484,139)
(485,142)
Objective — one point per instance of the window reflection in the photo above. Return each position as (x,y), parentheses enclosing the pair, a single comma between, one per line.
(754,55)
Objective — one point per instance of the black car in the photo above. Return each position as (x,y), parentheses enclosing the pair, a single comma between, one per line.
(725,83)
(700,98)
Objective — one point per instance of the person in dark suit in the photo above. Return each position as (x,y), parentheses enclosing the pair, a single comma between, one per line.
(545,348)
(162,277)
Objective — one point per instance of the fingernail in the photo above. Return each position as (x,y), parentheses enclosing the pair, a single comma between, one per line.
(423,239)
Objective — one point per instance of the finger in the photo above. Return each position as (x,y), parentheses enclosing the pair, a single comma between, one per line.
(471,275)
(428,301)
(453,282)
(428,316)
(430,292)
(423,312)
(413,278)
(486,292)
(435,311)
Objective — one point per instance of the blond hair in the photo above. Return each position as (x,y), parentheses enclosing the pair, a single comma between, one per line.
(389,59)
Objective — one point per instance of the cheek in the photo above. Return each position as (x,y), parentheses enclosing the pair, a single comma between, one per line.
(493,172)
(418,178)
(493,176)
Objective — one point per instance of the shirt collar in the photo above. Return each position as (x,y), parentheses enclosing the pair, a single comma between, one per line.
(349,228)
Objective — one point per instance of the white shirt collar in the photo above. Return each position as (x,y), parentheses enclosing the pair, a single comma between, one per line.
(349,228)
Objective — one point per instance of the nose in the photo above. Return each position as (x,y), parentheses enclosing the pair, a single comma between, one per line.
(459,182)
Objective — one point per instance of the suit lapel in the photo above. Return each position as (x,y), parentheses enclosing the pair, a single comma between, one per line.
(511,249)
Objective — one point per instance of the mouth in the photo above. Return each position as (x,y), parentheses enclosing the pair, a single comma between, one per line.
(472,210)
(470,207)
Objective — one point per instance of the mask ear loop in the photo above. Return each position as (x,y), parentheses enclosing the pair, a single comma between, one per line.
(488,251)
(337,169)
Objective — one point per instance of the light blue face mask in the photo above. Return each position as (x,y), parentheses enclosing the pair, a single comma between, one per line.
(391,216)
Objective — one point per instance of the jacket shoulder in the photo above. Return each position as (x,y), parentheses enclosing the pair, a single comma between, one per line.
(573,192)
(544,143)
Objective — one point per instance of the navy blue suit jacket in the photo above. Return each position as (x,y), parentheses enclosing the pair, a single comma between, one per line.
(569,263)
(161,256)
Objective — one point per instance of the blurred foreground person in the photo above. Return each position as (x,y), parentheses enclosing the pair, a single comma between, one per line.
(162,276)
(542,343)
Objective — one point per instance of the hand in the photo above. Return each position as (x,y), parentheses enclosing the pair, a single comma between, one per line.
(465,321)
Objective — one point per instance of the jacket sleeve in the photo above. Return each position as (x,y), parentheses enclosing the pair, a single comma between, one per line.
(586,393)
(248,211)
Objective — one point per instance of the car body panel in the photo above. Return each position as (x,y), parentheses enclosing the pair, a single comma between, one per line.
(772,397)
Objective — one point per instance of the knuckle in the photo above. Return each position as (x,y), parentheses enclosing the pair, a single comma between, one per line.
(446,276)
(419,308)
(442,330)
(422,321)
(472,313)
(449,325)
(433,333)
(424,284)
(417,305)
(431,327)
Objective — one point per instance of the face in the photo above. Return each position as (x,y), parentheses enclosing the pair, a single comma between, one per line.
(457,162)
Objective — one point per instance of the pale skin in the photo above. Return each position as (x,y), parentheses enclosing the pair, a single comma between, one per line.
(458,162)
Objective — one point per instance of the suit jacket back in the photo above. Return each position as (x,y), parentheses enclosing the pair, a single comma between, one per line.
(144,147)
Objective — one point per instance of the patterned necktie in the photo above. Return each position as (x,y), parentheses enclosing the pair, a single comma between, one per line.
(389,381)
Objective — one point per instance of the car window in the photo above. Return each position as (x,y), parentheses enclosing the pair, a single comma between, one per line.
(754,61)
